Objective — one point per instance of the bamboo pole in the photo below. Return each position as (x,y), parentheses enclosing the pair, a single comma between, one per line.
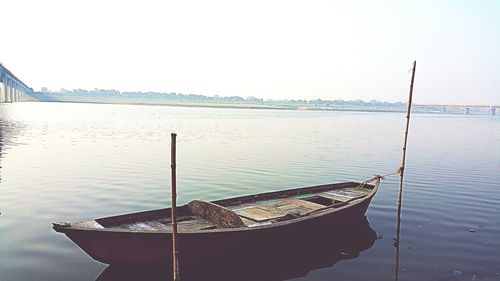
(403,160)
(408,111)
(175,250)
(401,172)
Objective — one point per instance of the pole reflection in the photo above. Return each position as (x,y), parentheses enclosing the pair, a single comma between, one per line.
(398,226)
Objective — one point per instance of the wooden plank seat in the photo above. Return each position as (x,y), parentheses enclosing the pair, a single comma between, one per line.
(272,209)
(335,196)
(357,191)
(193,224)
(345,194)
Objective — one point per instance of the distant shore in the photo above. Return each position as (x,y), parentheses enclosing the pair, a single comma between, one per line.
(236,105)
(245,105)
(137,101)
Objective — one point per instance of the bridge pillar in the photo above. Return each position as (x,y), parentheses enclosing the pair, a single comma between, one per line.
(2,91)
(16,98)
(493,111)
(443,110)
(7,90)
(11,91)
(467,110)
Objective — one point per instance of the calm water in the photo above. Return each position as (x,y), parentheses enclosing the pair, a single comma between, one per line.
(64,162)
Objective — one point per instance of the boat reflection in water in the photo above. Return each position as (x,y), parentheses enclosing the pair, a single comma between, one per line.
(325,251)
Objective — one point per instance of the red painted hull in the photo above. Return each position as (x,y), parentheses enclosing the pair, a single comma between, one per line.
(287,263)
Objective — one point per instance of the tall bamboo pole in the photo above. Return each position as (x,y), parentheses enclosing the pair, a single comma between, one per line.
(408,118)
(175,250)
(403,161)
(401,173)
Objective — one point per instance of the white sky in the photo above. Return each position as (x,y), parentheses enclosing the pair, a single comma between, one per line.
(269,49)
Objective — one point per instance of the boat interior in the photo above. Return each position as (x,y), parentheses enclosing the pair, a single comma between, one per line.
(247,211)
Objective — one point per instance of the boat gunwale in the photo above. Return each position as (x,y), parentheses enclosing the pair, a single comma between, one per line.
(375,183)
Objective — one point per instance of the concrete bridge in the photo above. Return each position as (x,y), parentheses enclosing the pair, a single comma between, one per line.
(11,87)
(466,109)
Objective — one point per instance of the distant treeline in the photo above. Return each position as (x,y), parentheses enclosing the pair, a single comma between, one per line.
(202,98)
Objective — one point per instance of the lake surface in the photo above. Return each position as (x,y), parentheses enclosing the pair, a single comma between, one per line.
(67,162)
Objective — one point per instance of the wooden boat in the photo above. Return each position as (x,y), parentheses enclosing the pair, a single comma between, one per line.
(224,228)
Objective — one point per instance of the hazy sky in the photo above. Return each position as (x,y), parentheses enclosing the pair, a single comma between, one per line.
(269,49)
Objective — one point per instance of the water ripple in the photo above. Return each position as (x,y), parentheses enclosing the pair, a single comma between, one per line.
(78,161)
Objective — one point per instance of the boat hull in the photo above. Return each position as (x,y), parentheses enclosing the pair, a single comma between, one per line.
(287,263)
(119,247)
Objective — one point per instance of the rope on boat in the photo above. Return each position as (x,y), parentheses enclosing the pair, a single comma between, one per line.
(381,177)
(363,183)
